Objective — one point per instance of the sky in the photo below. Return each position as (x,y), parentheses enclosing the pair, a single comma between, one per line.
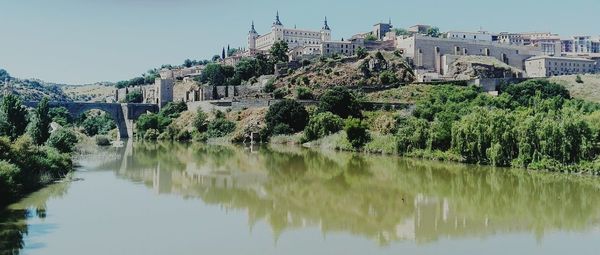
(86,41)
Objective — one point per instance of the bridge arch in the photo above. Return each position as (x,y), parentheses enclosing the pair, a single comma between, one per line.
(122,114)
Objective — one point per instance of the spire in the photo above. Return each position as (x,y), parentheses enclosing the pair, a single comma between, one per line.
(252,30)
(390,22)
(325,25)
(277,21)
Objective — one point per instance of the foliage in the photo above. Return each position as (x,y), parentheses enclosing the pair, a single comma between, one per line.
(220,127)
(39,127)
(4,75)
(356,133)
(388,77)
(102,140)
(63,140)
(286,112)
(151,134)
(361,52)
(10,185)
(173,109)
(371,37)
(134,97)
(412,134)
(280,93)
(321,125)
(270,86)
(213,75)
(578,79)
(94,124)
(200,121)
(434,32)
(60,115)
(15,115)
(523,93)
(340,101)
(279,51)
(401,31)
(304,93)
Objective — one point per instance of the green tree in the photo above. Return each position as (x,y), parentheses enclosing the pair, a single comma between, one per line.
(220,127)
(201,120)
(213,75)
(187,63)
(16,116)
(434,32)
(63,140)
(361,52)
(4,75)
(134,97)
(321,125)
(388,77)
(356,133)
(39,128)
(286,112)
(340,101)
(304,93)
(60,115)
(279,51)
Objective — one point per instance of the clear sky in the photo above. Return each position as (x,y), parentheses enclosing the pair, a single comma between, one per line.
(85,41)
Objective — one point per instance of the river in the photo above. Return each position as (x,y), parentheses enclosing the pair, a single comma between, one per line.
(172,198)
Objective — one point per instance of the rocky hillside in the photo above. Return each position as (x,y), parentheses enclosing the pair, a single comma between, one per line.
(31,89)
(97,92)
(470,67)
(374,69)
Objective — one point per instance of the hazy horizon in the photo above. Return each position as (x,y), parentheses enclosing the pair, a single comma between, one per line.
(86,41)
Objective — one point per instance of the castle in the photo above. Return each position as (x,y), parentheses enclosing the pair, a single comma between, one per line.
(310,41)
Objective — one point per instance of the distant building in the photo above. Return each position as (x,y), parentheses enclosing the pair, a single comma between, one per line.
(310,39)
(380,30)
(347,48)
(427,52)
(476,36)
(419,29)
(546,66)
(548,43)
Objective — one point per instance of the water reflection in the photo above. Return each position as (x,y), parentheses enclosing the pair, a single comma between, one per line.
(385,199)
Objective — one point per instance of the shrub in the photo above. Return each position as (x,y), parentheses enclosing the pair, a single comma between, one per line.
(183,135)
(200,121)
(134,97)
(60,115)
(280,93)
(282,129)
(356,133)
(304,93)
(523,92)
(173,109)
(340,101)
(270,86)
(387,77)
(97,124)
(9,182)
(288,112)
(63,140)
(361,52)
(102,140)
(578,79)
(321,125)
(220,127)
(305,80)
(151,134)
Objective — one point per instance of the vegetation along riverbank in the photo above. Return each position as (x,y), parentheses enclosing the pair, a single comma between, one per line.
(534,125)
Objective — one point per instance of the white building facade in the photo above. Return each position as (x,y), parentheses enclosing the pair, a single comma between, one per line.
(547,66)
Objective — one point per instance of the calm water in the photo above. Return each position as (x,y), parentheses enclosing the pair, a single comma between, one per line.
(201,199)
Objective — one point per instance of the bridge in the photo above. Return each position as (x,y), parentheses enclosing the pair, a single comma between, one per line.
(122,114)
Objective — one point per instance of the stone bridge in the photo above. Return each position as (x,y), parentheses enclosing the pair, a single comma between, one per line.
(122,114)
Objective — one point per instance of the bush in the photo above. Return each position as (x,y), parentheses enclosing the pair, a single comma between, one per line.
(578,79)
(173,109)
(102,140)
(270,86)
(10,186)
(134,97)
(63,140)
(280,93)
(151,134)
(60,115)
(183,135)
(97,124)
(220,127)
(304,93)
(524,92)
(321,125)
(361,52)
(288,112)
(356,133)
(200,121)
(387,77)
(340,101)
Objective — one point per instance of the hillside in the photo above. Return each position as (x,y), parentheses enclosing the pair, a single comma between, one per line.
(588,90)
(323,73)
(97,92)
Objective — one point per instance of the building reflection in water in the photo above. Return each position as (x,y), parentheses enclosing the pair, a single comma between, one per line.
(383,198)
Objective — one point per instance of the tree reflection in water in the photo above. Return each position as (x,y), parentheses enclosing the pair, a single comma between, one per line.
(384,198)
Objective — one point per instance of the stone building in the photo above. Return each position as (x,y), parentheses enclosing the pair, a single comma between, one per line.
(546,66)
(347,48)
(293,37)
(475,36)
(548,43)
(160,93)
(380,30)
(427,52)
(419,29)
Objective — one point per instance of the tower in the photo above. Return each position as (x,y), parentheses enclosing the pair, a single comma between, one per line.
(252,35)
(325,31)
(277,29)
